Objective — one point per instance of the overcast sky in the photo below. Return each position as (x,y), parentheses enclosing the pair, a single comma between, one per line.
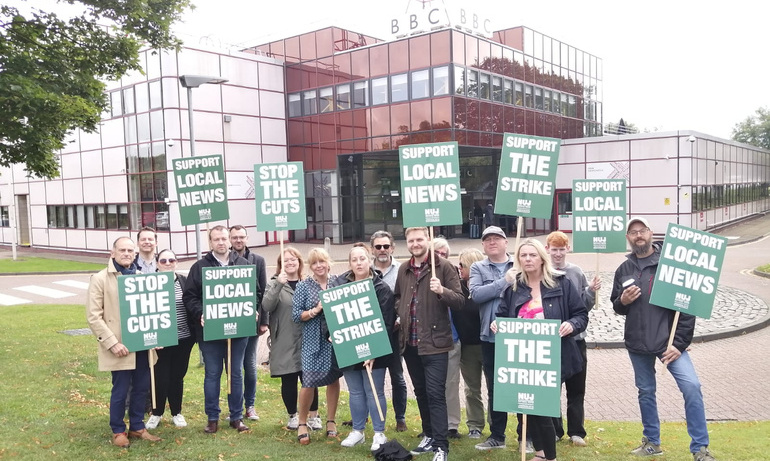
(668,64)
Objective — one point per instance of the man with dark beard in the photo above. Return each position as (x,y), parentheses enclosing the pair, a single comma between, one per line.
(646,337)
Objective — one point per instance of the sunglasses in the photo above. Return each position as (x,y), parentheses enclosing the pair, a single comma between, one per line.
(380,247)
(167,261)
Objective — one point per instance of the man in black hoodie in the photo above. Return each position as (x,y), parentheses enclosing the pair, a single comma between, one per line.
(646,336)
(215,352)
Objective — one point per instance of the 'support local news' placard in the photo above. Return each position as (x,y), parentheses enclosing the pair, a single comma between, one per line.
(527,366)
(201,189)
(688,271)
(147,305)
(355,323)
(430,184)
(527,176)
(279,191)
(229,302)
(598,215)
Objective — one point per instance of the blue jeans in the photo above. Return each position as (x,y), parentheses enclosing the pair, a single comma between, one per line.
(215,357)
(138,380)
(684,374)
(428,373)
(362,402)
(250,371)
(398,386)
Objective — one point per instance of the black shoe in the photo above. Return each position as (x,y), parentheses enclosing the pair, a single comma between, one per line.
(348,423)
(453,434)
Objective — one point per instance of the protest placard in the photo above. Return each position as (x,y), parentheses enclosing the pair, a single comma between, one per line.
(355,323)
(147,305)
(201,189)
(688,271)
(279,192)
(598,215)
(430,184)
(229,302)
(527,366)
(527,176)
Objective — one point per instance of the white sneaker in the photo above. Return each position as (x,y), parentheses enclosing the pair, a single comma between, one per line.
(378,439)
(578,441)
(179,420)
(293,423)
(440,455)
(152,422)
(314,423)
(353,439)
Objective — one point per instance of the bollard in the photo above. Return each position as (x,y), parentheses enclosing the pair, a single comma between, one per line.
(328,244)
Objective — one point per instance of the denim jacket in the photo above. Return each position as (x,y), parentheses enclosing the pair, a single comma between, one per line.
(487,284)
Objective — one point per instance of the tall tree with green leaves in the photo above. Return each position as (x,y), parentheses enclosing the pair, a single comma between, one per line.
(52,70)
(755,130)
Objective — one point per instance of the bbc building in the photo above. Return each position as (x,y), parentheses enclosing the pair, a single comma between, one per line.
(342,103)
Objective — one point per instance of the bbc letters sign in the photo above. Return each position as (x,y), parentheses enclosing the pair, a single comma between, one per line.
(435,15)
(688,270)
(430,184)
(527,176)
(201,189)
(279,190)
(147,305)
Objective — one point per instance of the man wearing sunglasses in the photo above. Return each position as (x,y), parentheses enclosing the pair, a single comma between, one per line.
(382,249)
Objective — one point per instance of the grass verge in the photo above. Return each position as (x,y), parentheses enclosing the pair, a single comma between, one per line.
(765,268)
(28,264)
(53,405)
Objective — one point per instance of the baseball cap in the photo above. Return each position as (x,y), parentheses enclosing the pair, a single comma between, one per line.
(637,219)
(493,230)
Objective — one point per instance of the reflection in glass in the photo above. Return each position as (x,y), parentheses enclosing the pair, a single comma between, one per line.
(295,105)
(361,94)
(473,83)
(508,91)
(326,99)
(379,91)
(484,86)
(459,82)
(497,88)
(309,102)
(440,81)
(343,96)
(420,84)
(399,88)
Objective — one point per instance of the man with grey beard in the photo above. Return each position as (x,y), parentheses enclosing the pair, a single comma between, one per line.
(646,337)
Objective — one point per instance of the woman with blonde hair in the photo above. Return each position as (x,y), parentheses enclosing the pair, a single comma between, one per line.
(318,365)
(538,291)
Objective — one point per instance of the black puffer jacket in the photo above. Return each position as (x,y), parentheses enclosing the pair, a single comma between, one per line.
(648,326)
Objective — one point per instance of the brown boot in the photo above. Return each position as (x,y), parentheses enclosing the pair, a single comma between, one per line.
(120,440)
(144,435)
(400,426)
(211,427)
(238,424)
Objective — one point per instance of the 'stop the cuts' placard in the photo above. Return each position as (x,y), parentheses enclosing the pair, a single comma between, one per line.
(279,191)
(147,305)
(200,186)
(527,176)
(688,271)
(430,184)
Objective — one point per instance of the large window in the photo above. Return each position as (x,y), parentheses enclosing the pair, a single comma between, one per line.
(326,98)
(309,102)
(440,81)
(343,96)
(379,91)
(399,88)
(295,105)
(421,84)
(111,216)
(5,217)
(360,94)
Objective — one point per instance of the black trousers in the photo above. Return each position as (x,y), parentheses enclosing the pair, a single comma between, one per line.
(576,393)
(170,370)
(428,373)
(289,392)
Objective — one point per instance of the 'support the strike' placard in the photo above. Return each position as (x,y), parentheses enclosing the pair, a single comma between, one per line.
(279,191)
(430,184)
(527,176)
(147,310)
(527,366)
(598,215)
(201,189)
(688,271)
(355,323)
(229,302)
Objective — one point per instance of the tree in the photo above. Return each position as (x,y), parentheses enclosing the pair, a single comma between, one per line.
(755,130)
(52,70)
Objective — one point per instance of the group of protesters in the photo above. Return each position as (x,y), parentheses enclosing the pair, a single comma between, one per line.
(441,321)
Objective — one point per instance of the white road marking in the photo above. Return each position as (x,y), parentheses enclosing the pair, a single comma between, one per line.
(43,291)
(8,300)
(73,284)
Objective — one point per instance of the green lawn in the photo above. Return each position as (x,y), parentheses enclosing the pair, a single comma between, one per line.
(53,405)
(765,268)
(27,264)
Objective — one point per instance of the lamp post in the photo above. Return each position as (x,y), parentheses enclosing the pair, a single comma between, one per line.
(190,82)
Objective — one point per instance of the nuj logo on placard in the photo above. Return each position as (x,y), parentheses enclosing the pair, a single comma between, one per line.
(281,221)
(231,328)
(600,243)
(150,339)
(432,215)
(363,350)
(526,400)
(204,214)
(682,301)
(523,206)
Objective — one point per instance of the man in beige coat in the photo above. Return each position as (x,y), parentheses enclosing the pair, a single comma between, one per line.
(130,370)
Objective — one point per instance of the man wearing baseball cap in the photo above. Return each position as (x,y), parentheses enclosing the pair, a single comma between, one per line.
(646,337)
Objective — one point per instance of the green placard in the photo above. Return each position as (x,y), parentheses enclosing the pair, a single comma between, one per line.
(599,215)
(688,271)
(528,366)
(201,189)
(430,184)
(527,176)
(229,302)
(279,191)
(147,310)
(355,323)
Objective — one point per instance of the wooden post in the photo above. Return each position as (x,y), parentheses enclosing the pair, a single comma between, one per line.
(229,365)
(432,255)
(523,444)
(596,274)
(152,379)
(374,392)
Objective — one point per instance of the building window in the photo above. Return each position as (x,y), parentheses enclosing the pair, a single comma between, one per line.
(295,105)
(472,89)
(508,91)
(326,98)
(156,95)
(484,86)
(459,83)
(116,101)
(399,88)
(519,94)
(420,84)
(497,89)
(547,100)
(440,81)
(128,101)
(343,96)
(379,91)
(309,102)
(538,98)
(556,108)
(528,100)
(5,217)
(361,94)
